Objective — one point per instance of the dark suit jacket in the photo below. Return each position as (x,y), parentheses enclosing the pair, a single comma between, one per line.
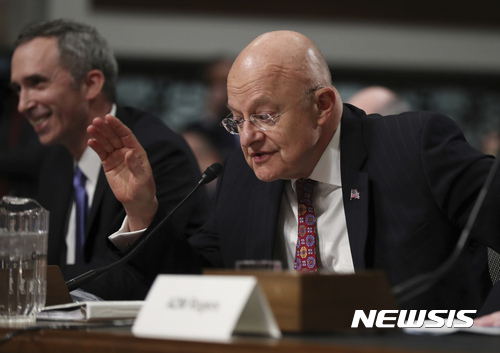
(417,178)
(492,303)
(175,171)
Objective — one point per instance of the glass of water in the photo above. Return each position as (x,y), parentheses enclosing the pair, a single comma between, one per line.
(266,265)
(24,226)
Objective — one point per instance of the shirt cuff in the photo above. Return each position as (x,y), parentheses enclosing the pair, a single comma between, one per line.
(123,238)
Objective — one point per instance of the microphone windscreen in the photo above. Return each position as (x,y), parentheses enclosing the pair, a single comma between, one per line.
(211,173)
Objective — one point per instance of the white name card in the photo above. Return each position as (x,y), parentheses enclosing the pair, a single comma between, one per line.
(204,308)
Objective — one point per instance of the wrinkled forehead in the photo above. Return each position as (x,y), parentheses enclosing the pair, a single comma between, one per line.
(263,87)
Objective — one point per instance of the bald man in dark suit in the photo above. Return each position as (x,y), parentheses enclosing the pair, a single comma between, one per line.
(388,192)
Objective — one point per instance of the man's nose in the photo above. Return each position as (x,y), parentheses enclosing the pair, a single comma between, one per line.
(25,102)
(249,133)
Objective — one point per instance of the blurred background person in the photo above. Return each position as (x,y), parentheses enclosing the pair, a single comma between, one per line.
(208,126)
(379,100)
(205,152)
(491,143)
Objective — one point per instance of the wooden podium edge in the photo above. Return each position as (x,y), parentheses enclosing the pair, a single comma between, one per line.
(315,302)
(57,291)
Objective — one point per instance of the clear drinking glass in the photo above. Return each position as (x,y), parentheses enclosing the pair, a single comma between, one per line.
(24,227)
(267,265)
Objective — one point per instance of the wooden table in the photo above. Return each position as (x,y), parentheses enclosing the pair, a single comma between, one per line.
(109,340)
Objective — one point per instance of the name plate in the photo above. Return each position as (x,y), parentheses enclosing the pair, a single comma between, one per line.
(206,308)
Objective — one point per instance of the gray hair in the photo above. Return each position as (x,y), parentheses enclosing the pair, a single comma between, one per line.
(81,49)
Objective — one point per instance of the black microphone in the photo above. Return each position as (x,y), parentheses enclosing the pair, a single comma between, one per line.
(419,284)
(208,175)
(211,173)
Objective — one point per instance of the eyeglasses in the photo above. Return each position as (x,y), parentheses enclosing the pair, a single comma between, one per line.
(264,122)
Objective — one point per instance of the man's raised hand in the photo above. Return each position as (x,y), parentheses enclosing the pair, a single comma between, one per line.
(127,169)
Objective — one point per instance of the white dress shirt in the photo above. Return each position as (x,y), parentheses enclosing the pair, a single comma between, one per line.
(333,242)
(90,165)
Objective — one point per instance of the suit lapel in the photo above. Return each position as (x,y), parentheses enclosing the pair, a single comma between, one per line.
(263,246)
(96,201)
(59,177)
(355,186)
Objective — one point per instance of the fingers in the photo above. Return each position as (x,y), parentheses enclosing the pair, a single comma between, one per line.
(115,143)
(101,152)
(110,134)
(105,135)
(488,320)
(122,136)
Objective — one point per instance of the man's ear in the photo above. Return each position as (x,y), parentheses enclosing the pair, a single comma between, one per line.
(325,102)
(94,81)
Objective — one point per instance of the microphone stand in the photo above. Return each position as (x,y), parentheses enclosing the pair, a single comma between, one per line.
(419,284)
(210,174)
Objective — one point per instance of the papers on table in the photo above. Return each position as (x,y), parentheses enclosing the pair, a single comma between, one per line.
(92,311)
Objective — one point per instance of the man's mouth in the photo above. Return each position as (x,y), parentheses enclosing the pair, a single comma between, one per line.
(260,157)
(38,121)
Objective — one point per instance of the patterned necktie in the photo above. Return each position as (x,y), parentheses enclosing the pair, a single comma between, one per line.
(305,254)
(81,201)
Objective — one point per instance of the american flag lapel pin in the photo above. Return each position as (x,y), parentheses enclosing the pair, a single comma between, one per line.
(354,194)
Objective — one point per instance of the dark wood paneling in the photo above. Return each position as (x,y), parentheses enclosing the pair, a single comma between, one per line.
(478,13)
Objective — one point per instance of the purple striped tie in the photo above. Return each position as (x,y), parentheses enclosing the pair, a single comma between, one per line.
(81,201)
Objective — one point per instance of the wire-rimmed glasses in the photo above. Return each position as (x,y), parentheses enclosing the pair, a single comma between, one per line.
(234,124)
(264,121)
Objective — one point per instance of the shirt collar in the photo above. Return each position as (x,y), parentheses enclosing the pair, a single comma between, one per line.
(90,163)
(327,170)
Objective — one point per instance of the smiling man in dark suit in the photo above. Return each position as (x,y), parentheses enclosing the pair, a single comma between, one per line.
(65,75)
(388,192)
